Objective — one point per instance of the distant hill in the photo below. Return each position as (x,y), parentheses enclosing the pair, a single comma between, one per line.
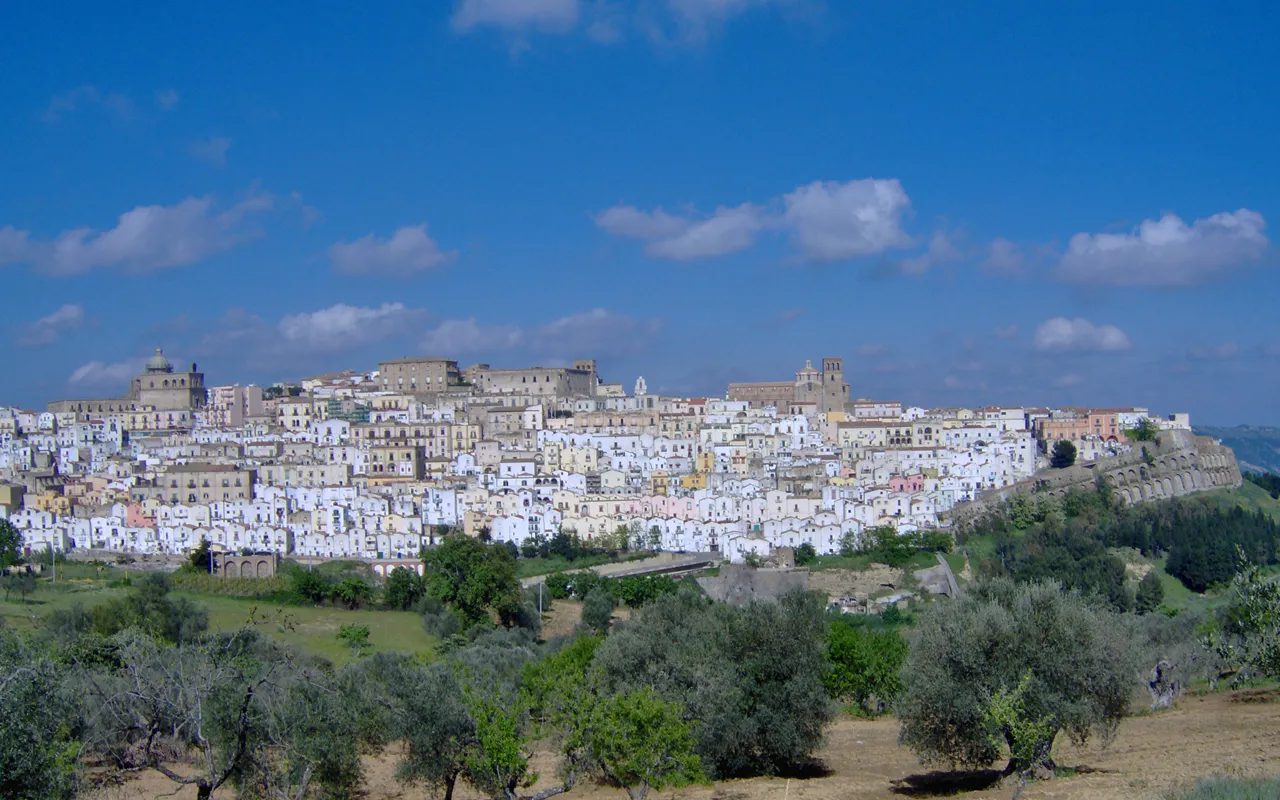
(1257,448)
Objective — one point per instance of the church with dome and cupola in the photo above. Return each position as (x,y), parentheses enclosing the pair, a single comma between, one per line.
(159,399)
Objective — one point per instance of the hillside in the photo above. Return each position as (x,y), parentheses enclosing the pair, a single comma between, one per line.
(1257,448)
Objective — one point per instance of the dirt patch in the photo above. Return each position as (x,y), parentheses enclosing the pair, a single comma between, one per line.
(1152,755)
(861,584)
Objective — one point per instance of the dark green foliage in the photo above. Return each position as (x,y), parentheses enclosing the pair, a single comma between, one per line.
(472,578)
(10,545)
(1198,537)
(148,606)
(19,582)
(352,592)
(404,588)
(885,545)
(865,665)
(37,753)
(1074,559)
(1249,640)
(642,742)
(1064,663)
(309,586)
(1269,481)
(201,558)
(251,713)
(1150,593)
(597,610)
(752,677)
(1063,454)
(1145,431)
(632,590)
(806,554)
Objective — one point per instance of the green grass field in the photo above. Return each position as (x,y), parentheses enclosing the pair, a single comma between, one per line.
(920,560)
(309,628)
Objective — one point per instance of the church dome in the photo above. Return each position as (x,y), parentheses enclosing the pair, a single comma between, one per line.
(158,363)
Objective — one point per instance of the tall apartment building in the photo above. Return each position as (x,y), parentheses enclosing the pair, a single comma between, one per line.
(231,406)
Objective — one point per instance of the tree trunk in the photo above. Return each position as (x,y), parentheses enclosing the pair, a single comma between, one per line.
(1164,688)
(640,791)
(449,783)
(203,791)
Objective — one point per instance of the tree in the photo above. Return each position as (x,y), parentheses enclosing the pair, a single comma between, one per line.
(597,610)
(352,591)
(1250,636)
(1150,593)
(1145,431)
(1078,661)
(10,545)
(244,709)
(404,588)
(356,637)
(1063,454)
(865,665)
(37,754)
(473,578)
(752,678)
(310,586)
(849,544)
(22,582)
(642,742)
(806,554)
(201,558)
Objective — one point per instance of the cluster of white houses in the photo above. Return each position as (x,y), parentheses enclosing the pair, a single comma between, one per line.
(377,465)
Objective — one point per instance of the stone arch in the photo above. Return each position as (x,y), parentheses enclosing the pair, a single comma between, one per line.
(262,568)
(1197,478)
(1126,497)
(246,571)
(1178,486)
(1167,486)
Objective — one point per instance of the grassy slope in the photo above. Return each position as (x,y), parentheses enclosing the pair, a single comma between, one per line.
(920,560)
(313,629)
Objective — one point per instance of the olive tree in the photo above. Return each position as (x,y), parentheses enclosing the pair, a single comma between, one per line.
(1011,662)
(241,709)
(37,754)
(642,742)
(750,678)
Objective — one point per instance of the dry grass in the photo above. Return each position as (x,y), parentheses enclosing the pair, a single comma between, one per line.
(1153,756)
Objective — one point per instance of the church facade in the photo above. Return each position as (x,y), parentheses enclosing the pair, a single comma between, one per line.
(158,399)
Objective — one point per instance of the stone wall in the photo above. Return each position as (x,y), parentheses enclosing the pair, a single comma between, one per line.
(739,585)
(228,566)
(1181,463)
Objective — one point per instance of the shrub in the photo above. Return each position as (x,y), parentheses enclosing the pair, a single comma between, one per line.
(1234,789)
(751,677)
(597,610)
(865,666)
(1078,662)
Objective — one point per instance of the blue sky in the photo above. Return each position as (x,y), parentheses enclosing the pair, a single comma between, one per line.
(997,202)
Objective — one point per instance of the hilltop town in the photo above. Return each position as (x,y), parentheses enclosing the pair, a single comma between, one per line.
(379,464)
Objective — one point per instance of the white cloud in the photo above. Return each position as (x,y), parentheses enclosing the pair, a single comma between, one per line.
(1007,332)
(1003,258)
(49,329)
(941,250)
(213,150)
(409,251)
(695,19)
(167,98)
(465,337)
(1221,352)
(343,327)
(551,15)
(1166,252)
(1079,335)
(728,230)
(116,104)
(631,222)
(834,221)
(97,374)
(591,333)
(828,220)
(146,239)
